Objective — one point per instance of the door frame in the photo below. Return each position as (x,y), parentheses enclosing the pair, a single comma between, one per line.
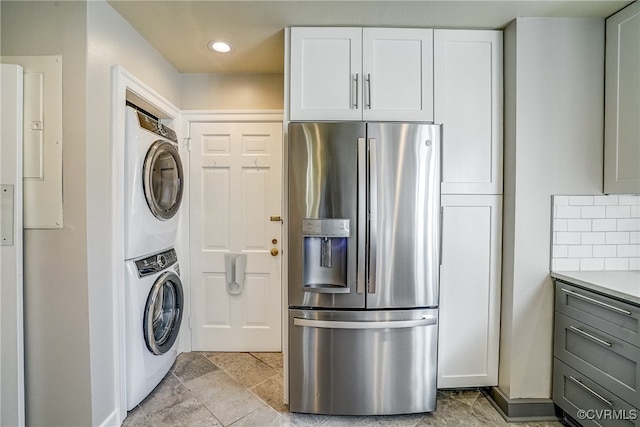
(127,87)
(11,297)
(189,117)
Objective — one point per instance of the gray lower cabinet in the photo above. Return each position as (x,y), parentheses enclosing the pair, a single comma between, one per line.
(596,370)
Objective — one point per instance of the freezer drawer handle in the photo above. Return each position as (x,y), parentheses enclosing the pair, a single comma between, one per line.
(596,339)
(595,301)
(587,388)
(391,324)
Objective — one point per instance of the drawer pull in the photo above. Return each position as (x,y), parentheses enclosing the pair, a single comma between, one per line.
(595,301)
(594,338)
(587,388)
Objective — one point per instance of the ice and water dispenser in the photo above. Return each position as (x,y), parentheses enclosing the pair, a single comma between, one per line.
(325,255)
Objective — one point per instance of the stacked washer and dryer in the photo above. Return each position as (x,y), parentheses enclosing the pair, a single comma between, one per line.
(153,290)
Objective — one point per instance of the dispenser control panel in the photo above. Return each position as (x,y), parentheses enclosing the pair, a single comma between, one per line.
(325,227)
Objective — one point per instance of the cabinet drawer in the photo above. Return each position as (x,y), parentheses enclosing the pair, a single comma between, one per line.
(615,317)
(587,402)
(607,360)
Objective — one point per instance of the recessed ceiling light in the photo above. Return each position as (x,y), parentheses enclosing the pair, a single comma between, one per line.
(220,46)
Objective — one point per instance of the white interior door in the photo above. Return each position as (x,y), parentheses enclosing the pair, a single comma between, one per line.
(235,236)
(11,302)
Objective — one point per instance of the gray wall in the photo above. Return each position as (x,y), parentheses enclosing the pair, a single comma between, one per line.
(57,365)
(554,94)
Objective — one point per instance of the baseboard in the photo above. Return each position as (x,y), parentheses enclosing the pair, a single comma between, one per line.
(521,410)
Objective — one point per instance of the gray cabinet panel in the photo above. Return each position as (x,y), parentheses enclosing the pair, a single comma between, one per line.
(615,317)
(607,360)
(588,402)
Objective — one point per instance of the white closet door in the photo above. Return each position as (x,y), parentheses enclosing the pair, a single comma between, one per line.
(235,190)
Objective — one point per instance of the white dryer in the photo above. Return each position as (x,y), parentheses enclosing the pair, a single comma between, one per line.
(153,185)
(154,305)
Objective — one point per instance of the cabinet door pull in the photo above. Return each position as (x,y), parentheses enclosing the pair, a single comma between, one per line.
(369,91)
(587,388)
(355,83)
(595,301)
(588,335)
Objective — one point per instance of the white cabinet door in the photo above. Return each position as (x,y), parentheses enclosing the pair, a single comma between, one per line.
(468,103)
(622,102)
(470,291)
(235,188)
(397,69)
(326,73)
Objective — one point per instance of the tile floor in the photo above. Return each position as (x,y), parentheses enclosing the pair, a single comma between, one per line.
(245,389)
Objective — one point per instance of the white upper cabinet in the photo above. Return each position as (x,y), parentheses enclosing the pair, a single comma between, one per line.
(622,102)
(361,74)
(326,73)
(468,103)
(397,70)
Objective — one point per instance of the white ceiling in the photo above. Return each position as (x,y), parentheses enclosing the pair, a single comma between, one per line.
(181,29)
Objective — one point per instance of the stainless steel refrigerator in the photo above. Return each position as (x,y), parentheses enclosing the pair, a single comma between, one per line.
(363,270)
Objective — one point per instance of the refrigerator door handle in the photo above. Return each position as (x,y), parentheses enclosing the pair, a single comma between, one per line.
(427,320)
(372,204)
(362,216)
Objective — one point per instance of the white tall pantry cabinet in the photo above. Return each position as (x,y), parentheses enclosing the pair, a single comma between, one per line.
(468,103)
(452,77)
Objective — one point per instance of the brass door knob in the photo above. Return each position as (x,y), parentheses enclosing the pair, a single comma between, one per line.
(274,252)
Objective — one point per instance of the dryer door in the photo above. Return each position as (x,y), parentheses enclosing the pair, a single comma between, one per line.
(163,313)
(163,179)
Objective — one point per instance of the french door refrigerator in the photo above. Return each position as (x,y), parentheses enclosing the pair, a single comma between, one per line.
(363,269)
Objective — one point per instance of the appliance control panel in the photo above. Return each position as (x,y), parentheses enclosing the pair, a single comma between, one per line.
(325,227)
(155,263)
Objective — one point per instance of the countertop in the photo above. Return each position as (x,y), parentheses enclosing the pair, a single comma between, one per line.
(622,285)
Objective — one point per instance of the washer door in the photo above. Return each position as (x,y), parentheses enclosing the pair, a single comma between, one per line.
(163,313)
(163,180)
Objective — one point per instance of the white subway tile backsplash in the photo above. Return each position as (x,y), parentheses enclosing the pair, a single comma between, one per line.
(617,238)
(579,225)
(618,211)
(628,251)
(605,200)
(592,264)
(566,264)
(616,264)
(598,232)
(593,238)
(594,212)
(629,200)
(580,251)
(560,224)
(568,212)
(581,200)
(604,225)
(631,224)
(567,238)
(605,251)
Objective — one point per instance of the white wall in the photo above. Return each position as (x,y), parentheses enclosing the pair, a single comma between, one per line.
(111,40)
(554,84)
(57,361)
(232,92)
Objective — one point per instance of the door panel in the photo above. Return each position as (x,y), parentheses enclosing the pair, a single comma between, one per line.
(322,184)
(235,187)
(404,215)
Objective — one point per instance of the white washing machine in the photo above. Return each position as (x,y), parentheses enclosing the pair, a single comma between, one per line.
(154,305)
(153,185)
